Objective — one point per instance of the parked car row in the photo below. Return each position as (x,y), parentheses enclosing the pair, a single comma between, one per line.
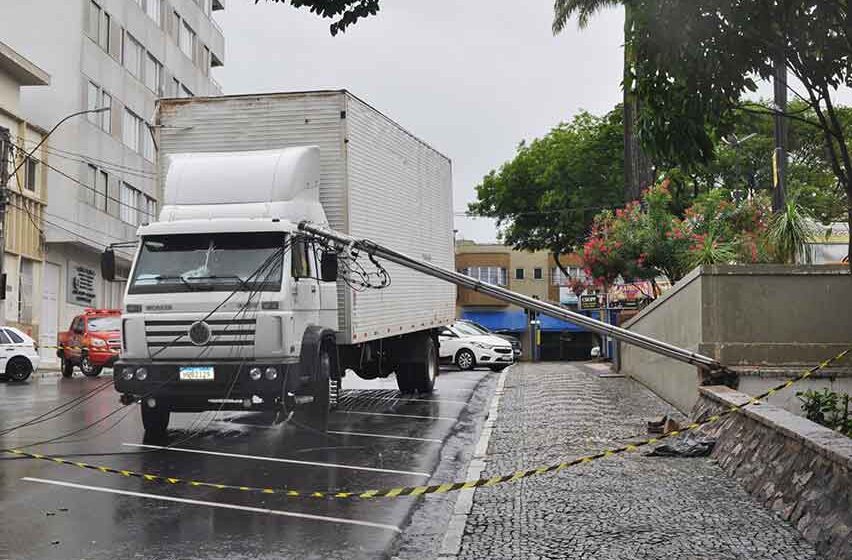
(469,345)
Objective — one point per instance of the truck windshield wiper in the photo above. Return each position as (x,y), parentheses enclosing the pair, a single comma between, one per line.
(184,281)
(242,282)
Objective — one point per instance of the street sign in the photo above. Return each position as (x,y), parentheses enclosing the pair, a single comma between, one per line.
(588,303)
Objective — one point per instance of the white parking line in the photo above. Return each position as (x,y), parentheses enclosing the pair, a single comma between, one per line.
(397,415)
(362,434)
(276,459)
(216,504)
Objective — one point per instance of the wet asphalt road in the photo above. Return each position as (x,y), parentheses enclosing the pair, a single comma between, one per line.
(377,439)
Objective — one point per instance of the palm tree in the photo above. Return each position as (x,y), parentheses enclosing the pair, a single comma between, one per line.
(637,167)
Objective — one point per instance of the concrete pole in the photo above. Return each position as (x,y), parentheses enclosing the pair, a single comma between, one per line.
(779,156)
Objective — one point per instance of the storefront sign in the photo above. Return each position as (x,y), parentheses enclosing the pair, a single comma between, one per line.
(589,302)
(81,285)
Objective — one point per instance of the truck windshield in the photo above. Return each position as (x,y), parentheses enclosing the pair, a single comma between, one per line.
(209,262)
(104,324)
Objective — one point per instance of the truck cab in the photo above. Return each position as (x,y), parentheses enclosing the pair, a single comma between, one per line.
(226,308)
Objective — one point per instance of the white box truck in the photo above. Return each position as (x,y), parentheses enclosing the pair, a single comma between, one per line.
(227,305)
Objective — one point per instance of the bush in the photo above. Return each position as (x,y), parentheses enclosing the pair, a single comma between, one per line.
(827,408)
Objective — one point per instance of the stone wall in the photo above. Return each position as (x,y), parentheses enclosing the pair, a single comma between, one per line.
(793,466)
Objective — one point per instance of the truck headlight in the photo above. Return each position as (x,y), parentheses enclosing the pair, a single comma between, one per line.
(271,373)
(127,374)
(255,373)
(141,374)
(97,342)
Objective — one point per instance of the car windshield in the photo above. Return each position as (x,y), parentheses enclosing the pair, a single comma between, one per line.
(477,326)
(209,262)
(104,324)
(466,329)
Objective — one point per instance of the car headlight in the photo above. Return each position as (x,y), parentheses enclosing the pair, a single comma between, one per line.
(255,373)
(97,342)
(482,345)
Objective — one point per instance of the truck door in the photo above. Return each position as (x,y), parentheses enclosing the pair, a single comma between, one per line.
(304,287)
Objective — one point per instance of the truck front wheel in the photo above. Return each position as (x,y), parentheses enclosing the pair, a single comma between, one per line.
(317,411)
(155,421)
(419,376)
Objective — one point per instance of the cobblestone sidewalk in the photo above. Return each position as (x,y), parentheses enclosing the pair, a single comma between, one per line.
(627,507)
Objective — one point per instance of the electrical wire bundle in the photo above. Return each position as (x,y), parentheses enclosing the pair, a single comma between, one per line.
(351,271)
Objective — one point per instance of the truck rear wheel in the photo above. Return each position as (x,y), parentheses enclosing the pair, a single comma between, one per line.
(419,376)
(155,421)
(317,411)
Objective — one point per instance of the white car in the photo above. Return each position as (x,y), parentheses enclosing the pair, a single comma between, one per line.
(18,355)
(468,348)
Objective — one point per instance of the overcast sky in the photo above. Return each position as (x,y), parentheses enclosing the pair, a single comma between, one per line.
(470,77)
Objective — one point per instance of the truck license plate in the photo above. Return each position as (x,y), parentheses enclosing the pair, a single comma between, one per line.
(197,373)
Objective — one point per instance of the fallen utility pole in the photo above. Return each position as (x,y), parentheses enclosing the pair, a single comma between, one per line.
(345,242)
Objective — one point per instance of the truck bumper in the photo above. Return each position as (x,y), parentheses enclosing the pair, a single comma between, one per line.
(232,388)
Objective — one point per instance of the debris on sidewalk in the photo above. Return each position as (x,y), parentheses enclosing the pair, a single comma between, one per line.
(689,445)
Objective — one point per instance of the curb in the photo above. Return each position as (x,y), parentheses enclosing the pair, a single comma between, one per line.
(451,545)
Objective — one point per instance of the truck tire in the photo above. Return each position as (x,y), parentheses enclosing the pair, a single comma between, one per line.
(66,367)
(316,412)
(155,421)
(465,360)
(19,369)
(88,369)
(419,376)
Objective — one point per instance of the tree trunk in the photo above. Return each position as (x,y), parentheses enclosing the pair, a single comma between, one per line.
(849,226)
(637,167)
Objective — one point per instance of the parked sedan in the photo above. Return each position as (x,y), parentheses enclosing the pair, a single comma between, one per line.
(513,340)
(18,355)
(467,347)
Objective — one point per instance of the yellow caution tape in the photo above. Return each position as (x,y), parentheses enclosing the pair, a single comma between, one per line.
(435,488)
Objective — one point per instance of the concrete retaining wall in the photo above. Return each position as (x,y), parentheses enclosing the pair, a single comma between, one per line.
(768,320)
(797,468)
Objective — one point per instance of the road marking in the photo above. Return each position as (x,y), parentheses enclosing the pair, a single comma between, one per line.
(277,459)
(396,415)
(362,434)
(350,397)
(216,504)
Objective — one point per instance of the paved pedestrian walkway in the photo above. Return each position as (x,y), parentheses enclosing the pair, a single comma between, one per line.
(626,507)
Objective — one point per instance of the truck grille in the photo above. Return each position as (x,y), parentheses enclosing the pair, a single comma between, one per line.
(174,333)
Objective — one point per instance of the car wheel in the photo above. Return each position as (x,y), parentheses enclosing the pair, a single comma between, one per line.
(156,422)
(465,360)
(316,412)
(19,369)
(66,367)
(88,369)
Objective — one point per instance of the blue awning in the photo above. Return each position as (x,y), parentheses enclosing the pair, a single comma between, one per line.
(516,321)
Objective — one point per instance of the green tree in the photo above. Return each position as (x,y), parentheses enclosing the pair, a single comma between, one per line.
(343,12)
(697,59)
(547,196)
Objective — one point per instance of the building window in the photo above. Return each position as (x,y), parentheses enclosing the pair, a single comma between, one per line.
(537,273)
(205,62)
(490,274)
(102,191)
(129,204)
(154,75)
(25,292)
(31,174)
(519,274)
(150,210)
(91,180)
(133,55)
(99,22)
(558,278)
(186,40)
(147,142)
(98,99)
(132,131)
(154,10)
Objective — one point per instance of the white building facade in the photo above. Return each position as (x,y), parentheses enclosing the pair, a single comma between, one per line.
(121,55)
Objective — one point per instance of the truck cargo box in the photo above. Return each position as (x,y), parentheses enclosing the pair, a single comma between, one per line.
(377,181)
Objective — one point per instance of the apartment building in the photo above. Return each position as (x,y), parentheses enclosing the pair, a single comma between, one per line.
(26,193)
(118,56)
(534,274)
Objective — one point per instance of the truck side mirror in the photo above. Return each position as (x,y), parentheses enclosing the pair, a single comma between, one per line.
(108,265)
(328,267)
